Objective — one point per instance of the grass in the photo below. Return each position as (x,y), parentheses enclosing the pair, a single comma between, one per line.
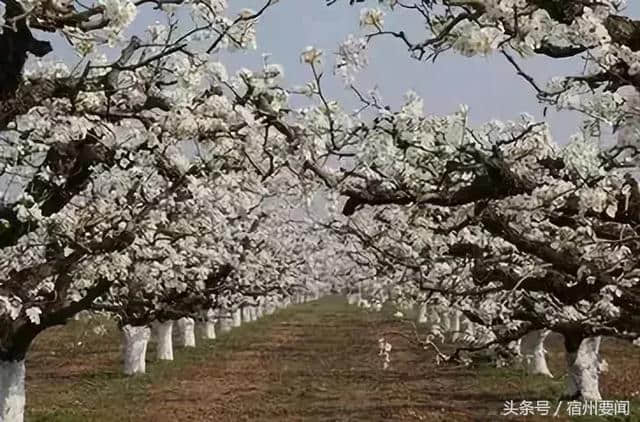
(313,362)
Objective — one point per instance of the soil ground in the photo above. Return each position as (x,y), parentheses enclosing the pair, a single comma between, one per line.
(312,362)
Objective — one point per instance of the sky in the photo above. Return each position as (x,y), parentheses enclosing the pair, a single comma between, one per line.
(488,85)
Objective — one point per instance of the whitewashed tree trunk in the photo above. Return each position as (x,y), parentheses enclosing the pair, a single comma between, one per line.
(253,313)
(422,313)
(237,318)
(351,299)
(226,322)
(533,352)
(260,311)
(435,327)
(246,314)
(454,320)
(433,317)
(444,321)
(186,332)
(270,308)
(12,392)
(582,380)
(164,341)
(207,326)
(135,339)
(207,330)
(286,302)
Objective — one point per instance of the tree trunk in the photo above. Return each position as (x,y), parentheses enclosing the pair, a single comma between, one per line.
(422,313)
(226,322)
(533,352)
(206,326)
(164,341)
(186,332)
(445,327)
(260,311)
(237,318)
(433,317)
(253,313)
(352,299)
(12,392)
(207,330)
(135,340)
(246,314)
(582,364)
(454,316)
(435,324)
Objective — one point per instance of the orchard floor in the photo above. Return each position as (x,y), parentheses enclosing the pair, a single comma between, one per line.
(313,362)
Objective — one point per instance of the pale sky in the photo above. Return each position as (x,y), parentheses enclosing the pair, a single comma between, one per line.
(489,85)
